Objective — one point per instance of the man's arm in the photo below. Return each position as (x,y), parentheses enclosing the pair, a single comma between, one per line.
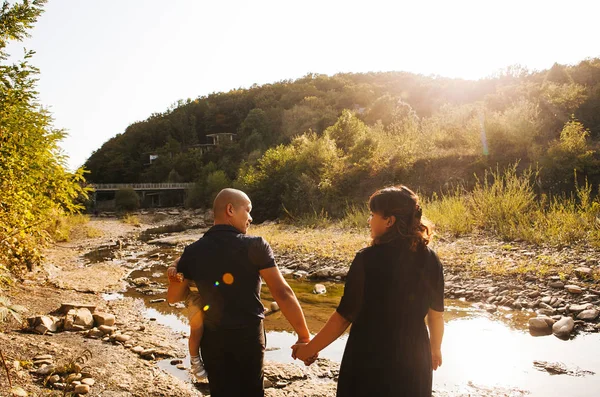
(287,301)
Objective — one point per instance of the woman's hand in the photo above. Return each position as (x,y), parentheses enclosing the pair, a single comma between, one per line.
(302,352)
(436,359)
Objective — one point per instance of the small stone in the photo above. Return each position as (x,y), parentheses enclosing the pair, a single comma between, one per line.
(583,272)
(580,308)
(53,379)
(545,312)
(82,389)
(106,329)
(59,385)
(267,384)
(540,326)
(180,366)
(176,361)
(147,352)
(45,370)
(104,319)
(75,383)
(556,284)
(546,299)
(159,300)
(43,357)
(141,281)
(319,289)
(78,319)
(534,294)
(43,362)
(18,391)
(72,377)
(95,333)
(563,327)
(274,306)
(574,289)
(490,308)
(88,381)
(137,349)
(122,338)
(588,315)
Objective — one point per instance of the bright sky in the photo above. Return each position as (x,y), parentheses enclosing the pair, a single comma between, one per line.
(107,63)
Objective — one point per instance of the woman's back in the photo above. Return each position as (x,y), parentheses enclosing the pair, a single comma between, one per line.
(388,294)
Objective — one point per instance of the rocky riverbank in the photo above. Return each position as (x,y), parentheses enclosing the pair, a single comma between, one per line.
(119,359)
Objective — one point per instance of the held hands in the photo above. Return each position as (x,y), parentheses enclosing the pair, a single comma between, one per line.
(436,359)
(302,351)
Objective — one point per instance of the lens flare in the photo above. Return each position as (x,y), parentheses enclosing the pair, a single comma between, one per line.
(217,283)
(205,308)
(228,278)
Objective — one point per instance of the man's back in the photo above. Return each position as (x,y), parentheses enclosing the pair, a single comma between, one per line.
(225,266)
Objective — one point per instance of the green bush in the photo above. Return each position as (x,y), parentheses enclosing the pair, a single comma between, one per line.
(127,200)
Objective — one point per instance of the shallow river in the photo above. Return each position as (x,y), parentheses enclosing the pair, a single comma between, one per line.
(480,350)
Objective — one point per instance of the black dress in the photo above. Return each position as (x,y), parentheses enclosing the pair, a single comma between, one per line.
(388,291)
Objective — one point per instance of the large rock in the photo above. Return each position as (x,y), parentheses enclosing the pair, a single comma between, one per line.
(563,327)
(43,324)
(76,319)
(104,319)
(540,326)
(588,315)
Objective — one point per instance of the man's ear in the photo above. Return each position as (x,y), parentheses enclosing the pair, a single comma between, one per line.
(229,209)
(390,221)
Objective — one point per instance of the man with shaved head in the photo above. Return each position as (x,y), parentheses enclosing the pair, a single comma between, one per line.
(227,266)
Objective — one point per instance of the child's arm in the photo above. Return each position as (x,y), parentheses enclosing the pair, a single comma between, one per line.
(178,287)
(172,272)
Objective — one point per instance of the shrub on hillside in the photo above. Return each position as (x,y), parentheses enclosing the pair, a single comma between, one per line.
(127,200)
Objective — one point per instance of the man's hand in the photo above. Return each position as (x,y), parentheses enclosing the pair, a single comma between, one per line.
(301,351)
(436,359)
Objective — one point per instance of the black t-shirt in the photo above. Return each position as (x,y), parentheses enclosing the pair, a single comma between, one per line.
(415,279)
(225,265)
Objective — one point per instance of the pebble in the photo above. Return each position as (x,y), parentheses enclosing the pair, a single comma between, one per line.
(274,306)
(53,379)
(45,370)
(88,381)
(176,361)
(588,315)
(180,366)
(82,389)
(122,338)
(159,300)
(574,289)
(563,327)
(137,349)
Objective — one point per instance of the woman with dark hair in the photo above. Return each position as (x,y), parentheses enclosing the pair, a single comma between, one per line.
(391,287)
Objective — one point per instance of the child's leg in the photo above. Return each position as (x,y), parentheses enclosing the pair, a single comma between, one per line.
(196,330)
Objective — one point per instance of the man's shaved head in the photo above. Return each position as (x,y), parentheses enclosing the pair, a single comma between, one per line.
(234,197)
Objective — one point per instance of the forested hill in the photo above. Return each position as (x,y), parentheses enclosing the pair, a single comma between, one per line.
(410,119)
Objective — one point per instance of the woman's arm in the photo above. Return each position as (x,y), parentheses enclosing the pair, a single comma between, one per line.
(435,323)
(335,326)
